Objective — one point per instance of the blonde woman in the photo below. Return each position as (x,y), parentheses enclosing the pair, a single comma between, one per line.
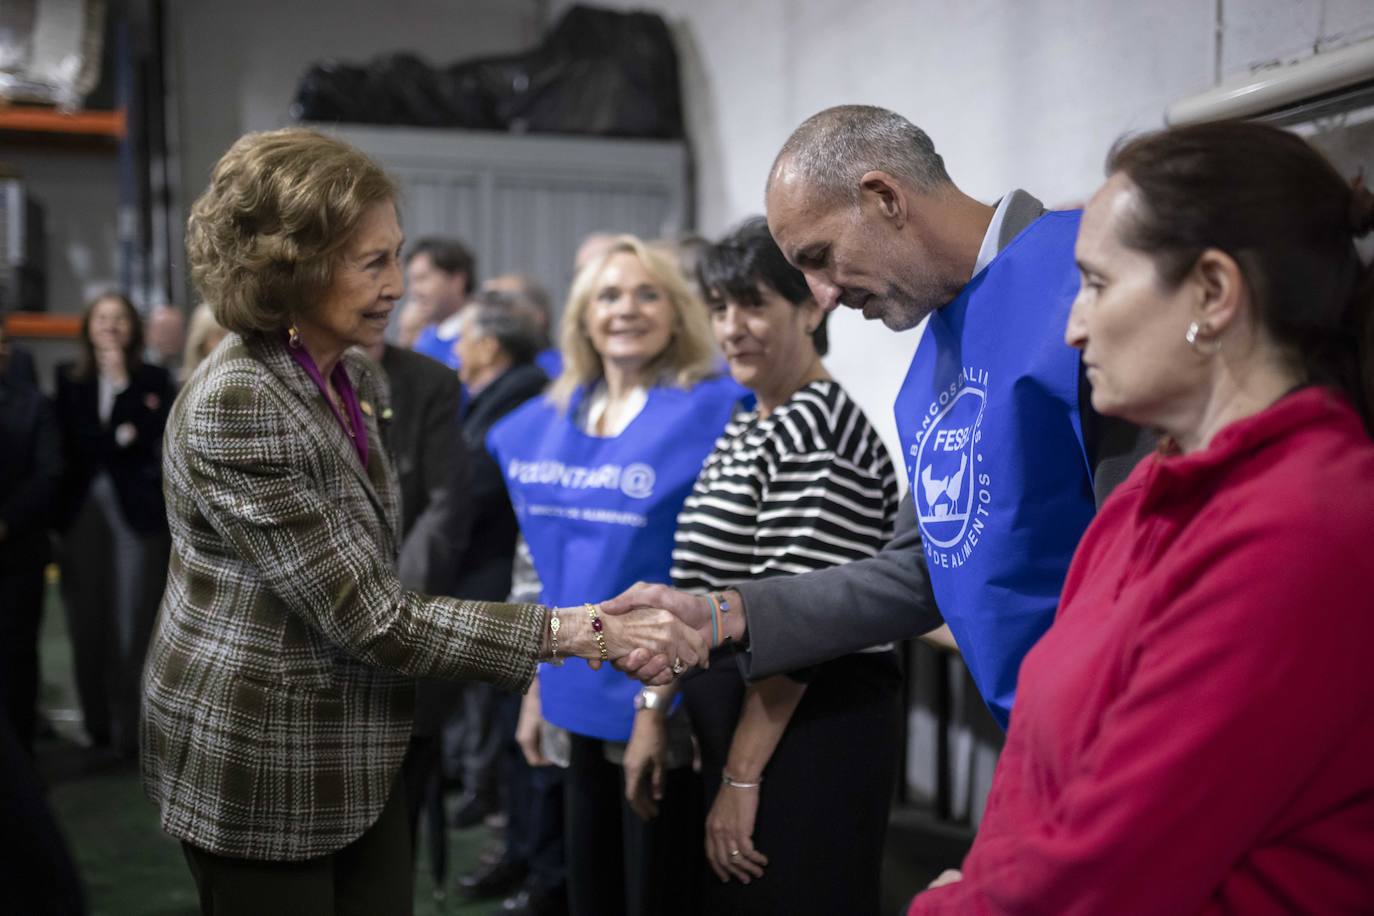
(598,471)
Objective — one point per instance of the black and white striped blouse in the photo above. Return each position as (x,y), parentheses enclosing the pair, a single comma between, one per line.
(809,486)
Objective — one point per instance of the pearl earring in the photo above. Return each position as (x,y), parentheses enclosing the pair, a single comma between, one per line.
(1194,337)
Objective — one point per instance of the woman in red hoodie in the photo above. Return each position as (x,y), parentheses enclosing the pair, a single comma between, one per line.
(1193,733)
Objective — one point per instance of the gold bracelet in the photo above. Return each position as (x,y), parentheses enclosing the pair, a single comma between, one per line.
(594,613)
(555,623)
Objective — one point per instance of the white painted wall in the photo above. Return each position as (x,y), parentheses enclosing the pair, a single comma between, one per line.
(1015,93)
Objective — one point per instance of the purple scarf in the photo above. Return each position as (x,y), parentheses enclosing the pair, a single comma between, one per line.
(346,394)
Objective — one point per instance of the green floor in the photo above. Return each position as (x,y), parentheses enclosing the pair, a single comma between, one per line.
(128,865)
(130,868)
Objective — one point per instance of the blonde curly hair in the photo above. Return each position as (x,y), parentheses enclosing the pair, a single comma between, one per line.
(264,238)
(690,355)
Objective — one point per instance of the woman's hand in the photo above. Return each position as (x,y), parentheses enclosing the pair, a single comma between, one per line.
(529,728)
(653,631)
(692,609)
(645,762)
(730,835)
(658,632)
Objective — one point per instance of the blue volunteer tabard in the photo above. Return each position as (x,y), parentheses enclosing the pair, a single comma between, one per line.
(437,348)
(599,515)
(551,361)
(989,425)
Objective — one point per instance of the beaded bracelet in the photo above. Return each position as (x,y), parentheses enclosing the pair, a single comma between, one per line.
(595,614)
(720,606)
(715,619)
(736,784)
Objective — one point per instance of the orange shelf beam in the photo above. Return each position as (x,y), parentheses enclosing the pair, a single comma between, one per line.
(48,120)
(41,324)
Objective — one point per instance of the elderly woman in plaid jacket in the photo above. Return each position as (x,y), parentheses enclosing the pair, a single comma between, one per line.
(277,692)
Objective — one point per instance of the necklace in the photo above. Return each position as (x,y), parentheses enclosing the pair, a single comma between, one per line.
(343,414)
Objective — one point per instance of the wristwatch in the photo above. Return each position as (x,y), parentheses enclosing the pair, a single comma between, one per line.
(647,699)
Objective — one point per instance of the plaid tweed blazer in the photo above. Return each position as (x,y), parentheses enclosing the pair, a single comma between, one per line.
(278,687)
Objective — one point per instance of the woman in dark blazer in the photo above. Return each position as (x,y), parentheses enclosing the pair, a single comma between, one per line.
(111,408)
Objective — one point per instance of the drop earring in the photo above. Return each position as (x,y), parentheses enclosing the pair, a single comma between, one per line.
(293,338)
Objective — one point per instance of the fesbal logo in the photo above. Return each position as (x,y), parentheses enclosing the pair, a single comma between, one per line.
(951,489)
(634,480)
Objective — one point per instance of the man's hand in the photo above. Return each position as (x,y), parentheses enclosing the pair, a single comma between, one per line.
(654,633)
(650,632)
(693,610)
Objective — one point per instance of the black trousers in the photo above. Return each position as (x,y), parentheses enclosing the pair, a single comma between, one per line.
(36,870)
(827,790)
(472,741)
(112,583)
(534,807)
(619,865)
(372,876)
(21,610)
(424,780)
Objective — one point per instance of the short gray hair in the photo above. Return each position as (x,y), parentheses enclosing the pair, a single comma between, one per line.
(525,297)
(832,150)
(488,316)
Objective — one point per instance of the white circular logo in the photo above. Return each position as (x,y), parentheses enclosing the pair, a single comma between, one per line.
(943,483)
(637,481)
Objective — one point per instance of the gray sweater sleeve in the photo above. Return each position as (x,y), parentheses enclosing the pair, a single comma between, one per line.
(796,621)
(801,620)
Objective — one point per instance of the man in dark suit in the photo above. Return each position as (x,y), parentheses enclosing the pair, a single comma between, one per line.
(426,446)
(424,440)
(19,370)
(30,468)
(36,871)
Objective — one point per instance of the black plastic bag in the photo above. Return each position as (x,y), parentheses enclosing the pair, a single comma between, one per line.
(598,72)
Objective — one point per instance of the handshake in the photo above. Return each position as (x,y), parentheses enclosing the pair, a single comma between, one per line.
(651,632)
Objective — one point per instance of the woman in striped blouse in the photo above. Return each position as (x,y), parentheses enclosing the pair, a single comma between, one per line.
(799,483)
